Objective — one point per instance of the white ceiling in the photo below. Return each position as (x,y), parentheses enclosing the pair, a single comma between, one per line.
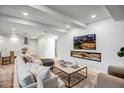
(21,30)
(83,12)
(116,11)
(52,19)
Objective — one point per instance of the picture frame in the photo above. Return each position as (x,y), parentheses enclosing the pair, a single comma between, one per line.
(85,42)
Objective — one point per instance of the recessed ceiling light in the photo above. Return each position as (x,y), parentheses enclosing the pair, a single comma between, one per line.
(14,39)
(67,25)
(1,37)
(25,13)
(93,16)
(13,29)
(34,37)
(56,37)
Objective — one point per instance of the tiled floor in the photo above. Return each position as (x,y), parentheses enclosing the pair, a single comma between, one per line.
(6,76)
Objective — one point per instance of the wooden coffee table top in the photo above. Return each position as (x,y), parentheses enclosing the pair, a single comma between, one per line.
(67,67)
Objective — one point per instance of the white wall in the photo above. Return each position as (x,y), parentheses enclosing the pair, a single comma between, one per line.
(109,39)
(46,46)
(7,45)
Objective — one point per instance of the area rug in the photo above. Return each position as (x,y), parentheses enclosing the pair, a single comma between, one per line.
(88,82)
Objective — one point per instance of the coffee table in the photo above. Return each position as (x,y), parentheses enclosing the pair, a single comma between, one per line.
(70,72)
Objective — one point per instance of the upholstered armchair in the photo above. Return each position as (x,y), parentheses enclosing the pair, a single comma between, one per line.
(114,79)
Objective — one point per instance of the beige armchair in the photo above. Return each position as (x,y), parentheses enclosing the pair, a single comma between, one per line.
(114,79)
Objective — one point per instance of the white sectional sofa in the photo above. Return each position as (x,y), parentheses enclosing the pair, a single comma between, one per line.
(23,78)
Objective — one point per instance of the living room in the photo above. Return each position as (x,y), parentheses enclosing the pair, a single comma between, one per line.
(78,39)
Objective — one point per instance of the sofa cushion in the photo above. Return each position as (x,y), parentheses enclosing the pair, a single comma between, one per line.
(33,85)
(19,61)
(24,76)
(33,68)
(37,61)
(36,69)
(44,73)
(51,82)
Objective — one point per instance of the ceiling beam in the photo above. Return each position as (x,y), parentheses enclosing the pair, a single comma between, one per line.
(116,11)
(60,16)
(30,23)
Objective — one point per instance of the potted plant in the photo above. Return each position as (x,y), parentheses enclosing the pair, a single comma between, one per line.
(121,52)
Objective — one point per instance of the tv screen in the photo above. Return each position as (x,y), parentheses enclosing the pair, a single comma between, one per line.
(87,42)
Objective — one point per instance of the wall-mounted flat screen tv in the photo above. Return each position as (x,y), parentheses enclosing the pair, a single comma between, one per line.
(86,42)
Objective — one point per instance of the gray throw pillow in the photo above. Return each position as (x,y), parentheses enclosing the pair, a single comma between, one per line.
(44,73)
(24,76)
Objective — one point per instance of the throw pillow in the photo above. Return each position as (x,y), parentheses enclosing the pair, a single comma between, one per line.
(44,73)
(47,62)
(24,76)
(27,58)
(38,71)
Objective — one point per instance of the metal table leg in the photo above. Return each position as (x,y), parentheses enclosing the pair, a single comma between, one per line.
(69,81)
